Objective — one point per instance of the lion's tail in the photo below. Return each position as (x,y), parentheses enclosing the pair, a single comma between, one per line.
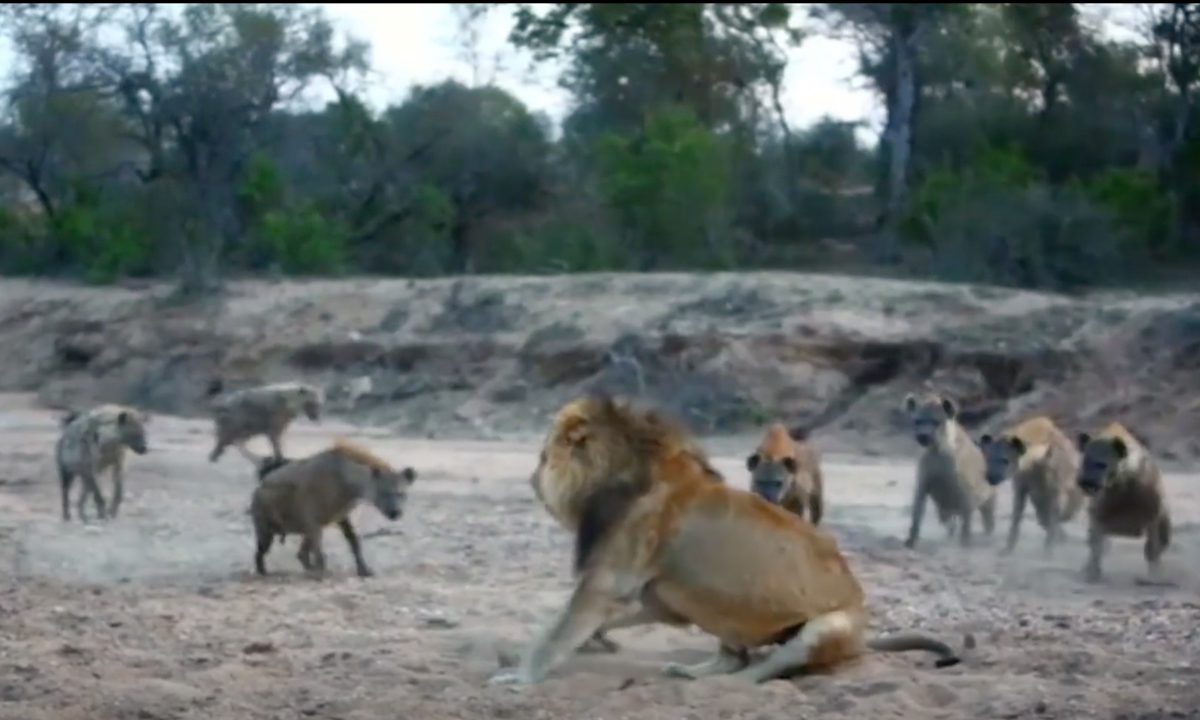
(915,641)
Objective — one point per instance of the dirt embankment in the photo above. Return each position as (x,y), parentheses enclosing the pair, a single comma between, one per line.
(492,356)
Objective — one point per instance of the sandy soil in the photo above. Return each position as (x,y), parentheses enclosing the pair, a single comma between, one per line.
(156,615)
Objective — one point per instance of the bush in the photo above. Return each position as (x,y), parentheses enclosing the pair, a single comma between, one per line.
(303,242)
(1000,222)
(668,188)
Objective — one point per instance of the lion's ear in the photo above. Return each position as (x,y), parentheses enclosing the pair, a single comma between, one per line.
(575,431)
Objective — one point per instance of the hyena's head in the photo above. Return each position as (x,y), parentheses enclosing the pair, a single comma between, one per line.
(128,428)
(930,414)
(1100,455)
(1002,454)
(309,400)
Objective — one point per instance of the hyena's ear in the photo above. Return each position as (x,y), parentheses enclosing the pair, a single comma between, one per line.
(949,408)
(409,475)
(910,403)
(1120,448)
(123,418)
(1082,440)
(1017,444)
(985,440)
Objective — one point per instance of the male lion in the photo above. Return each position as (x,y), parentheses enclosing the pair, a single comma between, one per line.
(305,495)
(786,470)
(566,495)
(1126,497)
(951,471)
(1043,463)
(658,530)
(93,442)
(263,410)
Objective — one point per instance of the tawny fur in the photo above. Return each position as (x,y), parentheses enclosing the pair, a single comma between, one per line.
(304,496)
(91,443)
(951,470)
(786,470)
(691,550)
(564,496)
(1126,497)
(1042,462)
(266,410)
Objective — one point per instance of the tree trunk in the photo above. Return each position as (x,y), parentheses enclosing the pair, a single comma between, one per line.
(899,139)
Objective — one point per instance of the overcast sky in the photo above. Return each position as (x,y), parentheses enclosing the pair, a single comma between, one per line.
(418,43)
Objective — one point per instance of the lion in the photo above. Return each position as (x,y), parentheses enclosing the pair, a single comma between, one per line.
(263,410)
(565,496)
(655,529)
(93,442)
(951,471)
(304,496)
(1043,463)
(786,470)
(1126,497)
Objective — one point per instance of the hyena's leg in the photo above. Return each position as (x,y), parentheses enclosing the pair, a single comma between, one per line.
(360,564)
(1054,531)
(118,476)
(316,553)
(276,447)
(1158,536)
(964,529)
(987,513)
(1096,543)
(91,488)
(918,514)
(66,478)
(303,554)
(1020,498)
(264,535)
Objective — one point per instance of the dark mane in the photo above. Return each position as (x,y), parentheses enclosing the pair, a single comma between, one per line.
(646,434)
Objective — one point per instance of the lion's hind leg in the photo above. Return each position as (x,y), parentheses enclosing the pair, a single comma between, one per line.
(726,660)
(823,642)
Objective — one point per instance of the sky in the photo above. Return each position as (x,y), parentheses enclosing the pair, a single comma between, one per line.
(419,44)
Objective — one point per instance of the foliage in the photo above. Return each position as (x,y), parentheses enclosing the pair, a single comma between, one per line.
(667,187)
(1021,145)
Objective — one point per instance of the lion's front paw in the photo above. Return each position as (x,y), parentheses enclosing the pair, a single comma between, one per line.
(507,678)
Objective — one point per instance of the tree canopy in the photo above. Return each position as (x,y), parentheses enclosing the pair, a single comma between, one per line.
(1023,145)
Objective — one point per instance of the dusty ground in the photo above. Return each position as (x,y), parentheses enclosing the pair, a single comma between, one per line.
(156,615)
